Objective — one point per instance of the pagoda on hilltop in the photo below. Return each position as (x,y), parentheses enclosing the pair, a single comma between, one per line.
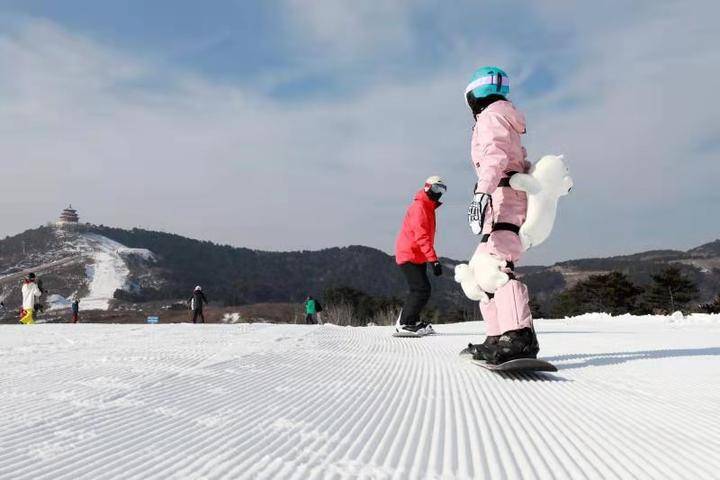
(69,216)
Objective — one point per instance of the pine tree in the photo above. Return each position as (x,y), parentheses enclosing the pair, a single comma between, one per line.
(670,290)
(613,293)
(711,307)
(535,308)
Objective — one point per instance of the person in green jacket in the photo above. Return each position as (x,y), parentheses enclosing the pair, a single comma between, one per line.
(312,308)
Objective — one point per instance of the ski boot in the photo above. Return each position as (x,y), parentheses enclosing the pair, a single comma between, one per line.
(480,351)
(515,344)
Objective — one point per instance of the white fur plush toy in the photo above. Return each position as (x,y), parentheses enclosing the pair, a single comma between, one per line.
(484,274)
(548,180)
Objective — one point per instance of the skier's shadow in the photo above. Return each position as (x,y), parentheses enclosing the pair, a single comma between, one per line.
(616,358)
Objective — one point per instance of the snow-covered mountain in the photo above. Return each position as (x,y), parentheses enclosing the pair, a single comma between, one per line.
(93,261)
(74,263)
(99,264)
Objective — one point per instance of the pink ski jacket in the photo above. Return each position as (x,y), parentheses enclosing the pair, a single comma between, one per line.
(496,148)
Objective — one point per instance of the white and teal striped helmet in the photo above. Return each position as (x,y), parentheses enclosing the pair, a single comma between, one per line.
(487,81)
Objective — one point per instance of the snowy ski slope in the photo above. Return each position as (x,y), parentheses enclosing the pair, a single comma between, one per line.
(107,272)
(633,398)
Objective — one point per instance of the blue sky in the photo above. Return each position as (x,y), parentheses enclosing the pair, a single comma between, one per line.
(303,124)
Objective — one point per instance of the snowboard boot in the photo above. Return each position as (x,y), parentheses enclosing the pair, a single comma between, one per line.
(480,351)
(515,344)
(414,330)
(429,330)
(418,329)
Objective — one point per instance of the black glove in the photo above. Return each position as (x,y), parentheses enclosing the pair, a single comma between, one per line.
(476,212)
(437,269)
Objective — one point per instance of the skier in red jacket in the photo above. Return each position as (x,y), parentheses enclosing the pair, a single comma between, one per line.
(414,249)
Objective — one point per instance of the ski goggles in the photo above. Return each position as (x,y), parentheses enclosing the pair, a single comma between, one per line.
(436,188)
(498,80)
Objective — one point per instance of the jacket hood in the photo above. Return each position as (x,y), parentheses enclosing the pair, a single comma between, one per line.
(511,114)
(421,196)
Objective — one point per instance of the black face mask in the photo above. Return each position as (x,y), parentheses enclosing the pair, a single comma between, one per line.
(433,195)
(477,105)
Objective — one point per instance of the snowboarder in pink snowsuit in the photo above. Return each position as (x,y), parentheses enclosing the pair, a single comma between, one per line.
(497,211)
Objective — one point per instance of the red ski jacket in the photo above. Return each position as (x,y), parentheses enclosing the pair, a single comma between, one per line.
(416,241)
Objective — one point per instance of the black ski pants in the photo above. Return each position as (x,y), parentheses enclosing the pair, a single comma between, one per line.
(196,314)
(419,294)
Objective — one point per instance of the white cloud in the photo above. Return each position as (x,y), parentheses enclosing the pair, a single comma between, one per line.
(81,124)
(131,142)
(350,29)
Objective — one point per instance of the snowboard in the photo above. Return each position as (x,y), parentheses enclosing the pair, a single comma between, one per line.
(519,365)
(407,335)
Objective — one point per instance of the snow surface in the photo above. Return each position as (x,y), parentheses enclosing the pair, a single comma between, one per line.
(107,273)
(633,398)
(57,302)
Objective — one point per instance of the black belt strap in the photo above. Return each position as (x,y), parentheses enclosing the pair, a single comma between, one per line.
(506,226)
(505,181)
(510,227)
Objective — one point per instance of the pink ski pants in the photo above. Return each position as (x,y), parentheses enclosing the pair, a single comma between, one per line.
(509,309)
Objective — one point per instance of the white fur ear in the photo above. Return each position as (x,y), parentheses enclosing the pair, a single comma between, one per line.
(525,183)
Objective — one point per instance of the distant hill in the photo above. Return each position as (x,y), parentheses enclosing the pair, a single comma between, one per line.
(172,265)
(111,268)
(701,264)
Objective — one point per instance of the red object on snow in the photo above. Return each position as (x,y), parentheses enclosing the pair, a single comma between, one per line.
(416,241)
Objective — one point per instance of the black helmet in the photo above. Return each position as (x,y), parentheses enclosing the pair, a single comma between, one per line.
(31,276)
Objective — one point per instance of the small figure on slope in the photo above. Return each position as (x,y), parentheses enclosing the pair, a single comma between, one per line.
(496,212)
(196,301)
(75,307)
(414,250)
(30,295)
(312,310)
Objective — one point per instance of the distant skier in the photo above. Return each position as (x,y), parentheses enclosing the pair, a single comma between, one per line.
(39,305)
(30,295)
(196,301)
(497,212)
(414,250)
(312,310)
(75,307)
